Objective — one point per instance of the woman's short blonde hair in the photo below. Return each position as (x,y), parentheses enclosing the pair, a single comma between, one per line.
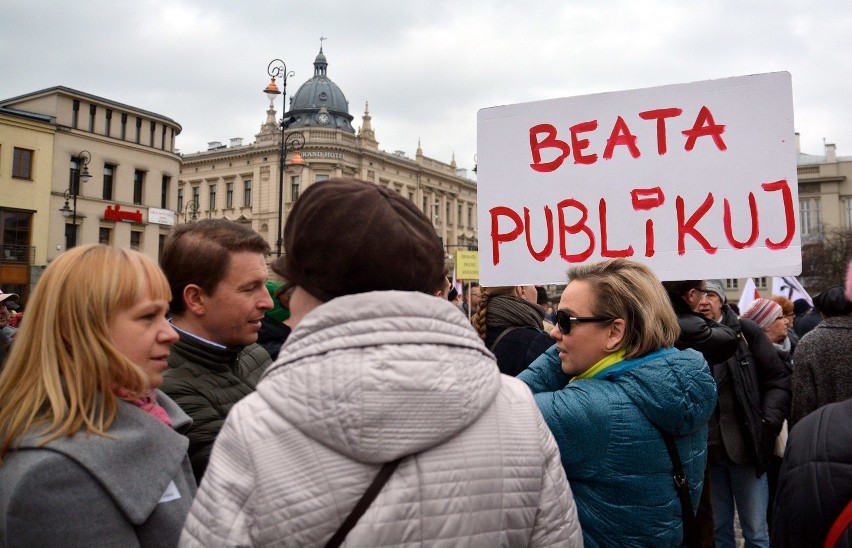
(631,291)
(63,365)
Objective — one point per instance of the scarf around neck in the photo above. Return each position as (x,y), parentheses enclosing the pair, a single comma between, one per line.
(509,311)
(146,403)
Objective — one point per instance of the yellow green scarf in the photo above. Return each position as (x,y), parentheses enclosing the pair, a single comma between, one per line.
(608,361)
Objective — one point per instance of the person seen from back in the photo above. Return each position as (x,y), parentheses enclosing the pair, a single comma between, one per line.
(511,323)
(378,370)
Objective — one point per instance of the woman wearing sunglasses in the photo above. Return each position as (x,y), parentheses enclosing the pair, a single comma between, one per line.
(609,389)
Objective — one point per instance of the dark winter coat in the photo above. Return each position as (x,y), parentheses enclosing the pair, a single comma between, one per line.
(761,384)
(206,381)
(815,482)
(823,371)
(518,348)
(716,342)
(272,335)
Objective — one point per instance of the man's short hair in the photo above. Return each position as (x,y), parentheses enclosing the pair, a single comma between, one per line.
(681,287)
(199,253)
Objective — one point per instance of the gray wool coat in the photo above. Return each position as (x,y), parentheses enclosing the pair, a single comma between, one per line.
(134,488)
(822,370)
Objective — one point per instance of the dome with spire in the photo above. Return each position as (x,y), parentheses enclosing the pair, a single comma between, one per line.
(319,102)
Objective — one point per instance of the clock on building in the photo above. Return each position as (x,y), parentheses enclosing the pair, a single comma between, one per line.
(322,118)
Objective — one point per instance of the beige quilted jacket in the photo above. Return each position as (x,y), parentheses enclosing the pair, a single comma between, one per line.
(365,379)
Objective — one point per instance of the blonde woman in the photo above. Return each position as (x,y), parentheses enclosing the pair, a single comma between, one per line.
(610,390)
(90,453)
(510,322)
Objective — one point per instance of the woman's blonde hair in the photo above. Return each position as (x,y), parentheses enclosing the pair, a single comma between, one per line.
(63,364)
(631,291)
(485,293)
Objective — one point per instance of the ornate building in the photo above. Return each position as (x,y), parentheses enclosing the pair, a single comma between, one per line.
(241,182)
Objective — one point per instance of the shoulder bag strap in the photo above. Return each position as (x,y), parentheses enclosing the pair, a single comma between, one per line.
(501,335)
(689,533)
(839,526)
(366,500)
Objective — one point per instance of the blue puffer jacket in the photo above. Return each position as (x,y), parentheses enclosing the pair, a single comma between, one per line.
(614,455)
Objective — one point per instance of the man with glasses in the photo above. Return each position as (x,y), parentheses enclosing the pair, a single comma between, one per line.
(717,343)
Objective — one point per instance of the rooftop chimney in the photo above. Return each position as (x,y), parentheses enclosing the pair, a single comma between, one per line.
(830,153)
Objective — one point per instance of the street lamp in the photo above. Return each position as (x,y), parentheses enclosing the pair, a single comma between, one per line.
(81,174)
(191,206)
(294,142)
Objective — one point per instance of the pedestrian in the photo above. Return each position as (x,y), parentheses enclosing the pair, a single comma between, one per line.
(91,452)
(612,390)
(217,272)
(753,401)
(822,373)
(511,323)
(378,370)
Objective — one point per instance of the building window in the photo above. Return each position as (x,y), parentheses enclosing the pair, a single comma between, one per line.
(108,124)
(180,200)
(196,196)
(732,284)
(448,211)
(123,126)
(229,195)
(138,130)
(411,197)
(425,207)
(109,173)
(810,216)
(105,235)
(14,238)
(164,191)
(321,178)
(458,215)
(847,212)
(761,284)
(295,181)
(22,163)
(138,186)
(162,244)
(75,113)
(163,139)
(74,177)
(135,239)
(469,216)
(93,109)
(70,235)
(247,193)
(153,132)
(212,197)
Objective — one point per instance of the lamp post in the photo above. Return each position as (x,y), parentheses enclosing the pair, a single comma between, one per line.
(81,174)
(294,142)
(191,206)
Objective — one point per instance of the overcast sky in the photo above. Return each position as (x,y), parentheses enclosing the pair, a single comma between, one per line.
(426,68)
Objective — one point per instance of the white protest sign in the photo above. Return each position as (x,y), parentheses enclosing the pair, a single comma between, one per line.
(694,180)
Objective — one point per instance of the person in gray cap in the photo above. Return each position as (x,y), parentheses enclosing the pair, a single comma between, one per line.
(754,400)
(378,371)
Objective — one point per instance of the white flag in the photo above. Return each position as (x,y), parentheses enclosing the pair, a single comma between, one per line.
(749,295)
(789,286)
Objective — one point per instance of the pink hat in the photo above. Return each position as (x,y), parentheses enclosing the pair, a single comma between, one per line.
(849,282)
(763,312)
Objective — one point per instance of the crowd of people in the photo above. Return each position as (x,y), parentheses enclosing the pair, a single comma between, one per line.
(347,398)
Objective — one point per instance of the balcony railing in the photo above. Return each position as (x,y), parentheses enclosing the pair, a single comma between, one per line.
(17,254)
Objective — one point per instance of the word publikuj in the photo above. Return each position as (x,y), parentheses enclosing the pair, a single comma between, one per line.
(642,199)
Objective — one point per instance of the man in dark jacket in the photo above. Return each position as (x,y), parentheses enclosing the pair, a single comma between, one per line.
(815,483)
(217,272)
(717,343)
(754,398)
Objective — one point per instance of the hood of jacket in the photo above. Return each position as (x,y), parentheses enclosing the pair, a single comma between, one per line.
(676,391)
(376,376)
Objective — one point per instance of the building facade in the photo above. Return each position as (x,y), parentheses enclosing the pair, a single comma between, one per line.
(129,196)
(243,183)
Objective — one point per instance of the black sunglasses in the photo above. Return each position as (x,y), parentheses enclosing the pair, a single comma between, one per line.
(564,320)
